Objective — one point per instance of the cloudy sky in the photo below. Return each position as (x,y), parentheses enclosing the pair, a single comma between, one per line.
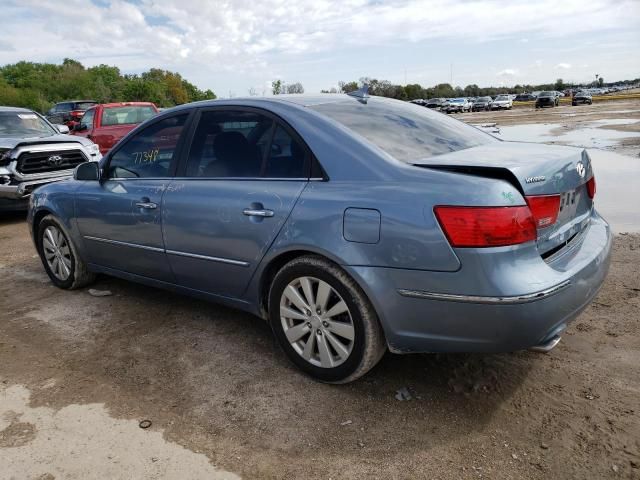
(234,45)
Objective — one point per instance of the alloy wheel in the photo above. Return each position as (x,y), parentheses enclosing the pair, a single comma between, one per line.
(57,253)
(317,322)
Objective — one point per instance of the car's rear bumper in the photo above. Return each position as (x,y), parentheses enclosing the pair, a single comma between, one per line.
(507,300)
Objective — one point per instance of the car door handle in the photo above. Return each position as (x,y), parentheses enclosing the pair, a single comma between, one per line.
(250,212)
(147,205)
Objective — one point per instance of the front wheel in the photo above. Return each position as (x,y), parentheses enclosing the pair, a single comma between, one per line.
(59,256)
(323,321)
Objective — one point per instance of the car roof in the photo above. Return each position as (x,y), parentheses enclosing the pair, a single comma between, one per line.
(125,104)
(76,101)
(15,109)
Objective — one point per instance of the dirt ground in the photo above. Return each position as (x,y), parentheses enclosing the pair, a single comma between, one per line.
(78,373)
(563,114)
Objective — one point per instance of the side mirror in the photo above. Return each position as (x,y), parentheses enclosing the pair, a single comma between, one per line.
(87,171)
(79,126)
(62,129)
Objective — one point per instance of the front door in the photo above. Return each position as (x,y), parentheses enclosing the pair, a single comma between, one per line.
(242,177)
(120,217)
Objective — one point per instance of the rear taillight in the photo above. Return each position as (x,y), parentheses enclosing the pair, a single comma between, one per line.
(544,208)
(486,226)
(76,113)
(591,187)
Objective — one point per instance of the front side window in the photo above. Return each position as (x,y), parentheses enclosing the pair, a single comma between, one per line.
(87,119)
(150,152)
(241,144)
(126,115)
(404,131)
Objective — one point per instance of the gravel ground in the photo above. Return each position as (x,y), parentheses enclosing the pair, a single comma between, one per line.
(82,371)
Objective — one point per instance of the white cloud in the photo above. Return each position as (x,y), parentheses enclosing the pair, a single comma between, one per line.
(563,66)
(247,38)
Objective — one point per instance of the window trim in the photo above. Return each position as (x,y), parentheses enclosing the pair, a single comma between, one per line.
(310,158)
(143,126)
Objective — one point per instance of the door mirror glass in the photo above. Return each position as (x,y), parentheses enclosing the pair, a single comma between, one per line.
(79,127)
(87,171)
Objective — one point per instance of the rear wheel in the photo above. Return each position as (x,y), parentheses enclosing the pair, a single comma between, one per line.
(323,321)
(60,257)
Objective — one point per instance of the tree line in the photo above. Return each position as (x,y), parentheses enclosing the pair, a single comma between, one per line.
(40,85)
(385,88)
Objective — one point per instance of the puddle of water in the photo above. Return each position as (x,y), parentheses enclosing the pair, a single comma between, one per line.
(617,193)
(587,137)
(614,121)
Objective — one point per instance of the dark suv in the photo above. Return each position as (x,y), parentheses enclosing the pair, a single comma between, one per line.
(547,99)
(70,112)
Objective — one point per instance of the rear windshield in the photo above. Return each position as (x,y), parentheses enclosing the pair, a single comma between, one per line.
(24,125)
(405,131)
(84,105)
(126,115)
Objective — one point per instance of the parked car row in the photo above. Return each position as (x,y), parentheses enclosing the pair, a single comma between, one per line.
(464,104)
(548,98)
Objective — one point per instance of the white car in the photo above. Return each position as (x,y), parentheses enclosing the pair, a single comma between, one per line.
(502,102)
(460,105)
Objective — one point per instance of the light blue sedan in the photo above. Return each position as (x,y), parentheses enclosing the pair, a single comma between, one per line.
(353,224)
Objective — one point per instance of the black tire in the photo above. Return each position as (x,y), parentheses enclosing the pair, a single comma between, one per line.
(369,344)
(80,276)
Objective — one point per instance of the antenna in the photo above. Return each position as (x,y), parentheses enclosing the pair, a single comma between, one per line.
(362,94)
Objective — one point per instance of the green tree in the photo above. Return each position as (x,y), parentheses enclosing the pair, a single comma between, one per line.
(277,87)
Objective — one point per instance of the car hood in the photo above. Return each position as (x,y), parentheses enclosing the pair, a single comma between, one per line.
(13,142)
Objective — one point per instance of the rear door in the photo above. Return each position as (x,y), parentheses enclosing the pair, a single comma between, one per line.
(120,217)
(240,180)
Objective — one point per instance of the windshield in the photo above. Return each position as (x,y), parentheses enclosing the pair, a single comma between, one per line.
(127,115)
(457,100)
(404,131)
(24,124)
(484,99)
(502,97)
(547,94)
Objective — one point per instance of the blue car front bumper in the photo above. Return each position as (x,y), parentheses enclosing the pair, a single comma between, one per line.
(501,299)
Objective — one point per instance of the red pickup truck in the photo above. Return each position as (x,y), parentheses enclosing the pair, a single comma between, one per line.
(107,123)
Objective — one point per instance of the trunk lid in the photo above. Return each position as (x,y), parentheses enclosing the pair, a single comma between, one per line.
(534,169)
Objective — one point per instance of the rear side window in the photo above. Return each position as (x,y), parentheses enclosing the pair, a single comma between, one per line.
(241,144)
(64,107)
(406,132)
(150,152)
(126,115)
